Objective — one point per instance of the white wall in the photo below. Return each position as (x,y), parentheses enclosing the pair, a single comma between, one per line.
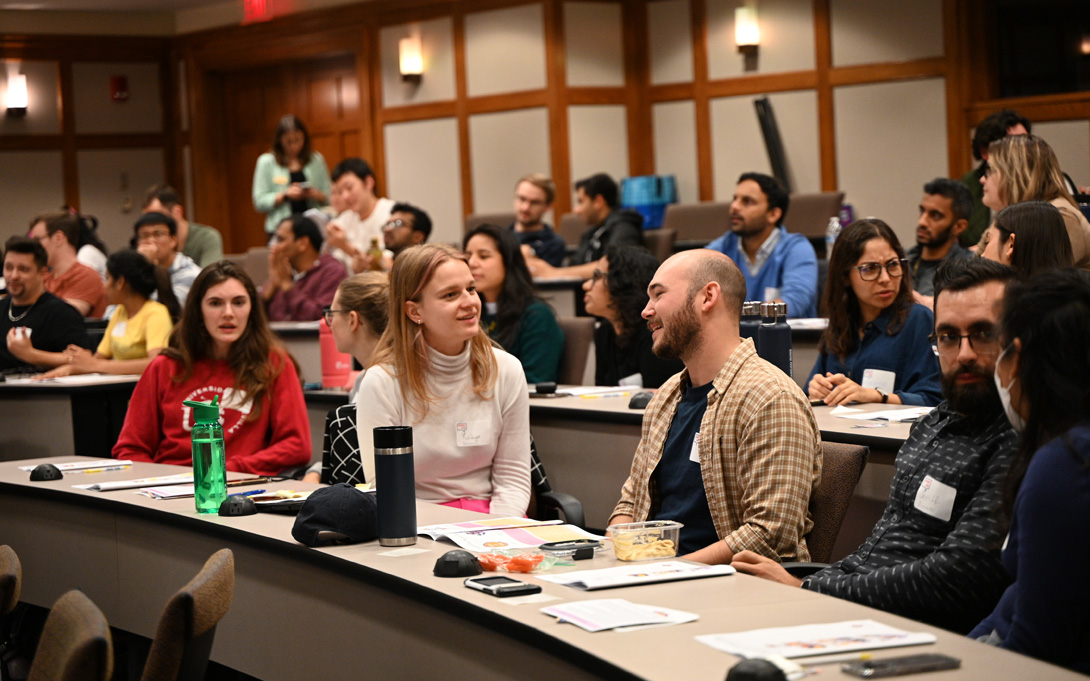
(674,126)
(43,115)
(503,147)
(1071,142)
(96,112)
(594,44)
(437,47)
(31,182)
(787,38)
(505,50)
(111,187)
(671,41)
(599,141)
(423,168)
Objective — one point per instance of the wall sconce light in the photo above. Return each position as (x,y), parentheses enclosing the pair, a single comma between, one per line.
(16,98)
(410,59)
(747,34)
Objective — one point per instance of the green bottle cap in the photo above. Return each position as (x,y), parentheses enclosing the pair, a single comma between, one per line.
(205,412)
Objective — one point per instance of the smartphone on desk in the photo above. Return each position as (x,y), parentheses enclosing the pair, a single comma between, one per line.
(899,666)
(502,587)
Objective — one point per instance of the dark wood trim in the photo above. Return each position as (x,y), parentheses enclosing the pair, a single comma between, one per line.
(461,110)
(372,142)
(84,48)
(641,154)
(890,71)
(416,112)
(508,101)
(69,161)
(763,83)
(823,60)
(32,143)
(702,102)
(958,151)
(556,76)
(582,96)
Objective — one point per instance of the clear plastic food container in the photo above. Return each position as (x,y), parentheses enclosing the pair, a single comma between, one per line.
(650,540)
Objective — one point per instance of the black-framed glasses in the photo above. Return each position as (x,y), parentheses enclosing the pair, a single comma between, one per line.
(596,275)
(394,224)
(869,271)
(327,313)
(982,341)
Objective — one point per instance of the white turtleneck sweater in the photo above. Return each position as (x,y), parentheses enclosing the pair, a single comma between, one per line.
(465,447)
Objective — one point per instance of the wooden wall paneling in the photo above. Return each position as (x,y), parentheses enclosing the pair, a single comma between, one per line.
(508,101)
(702,104)
(959,151)
(418,112)
(167,86)
(556,80)
(641,153)
(575,96)
(461,111)
(826,125)
(881,73)
(369,143)
(68,133)
(763,84)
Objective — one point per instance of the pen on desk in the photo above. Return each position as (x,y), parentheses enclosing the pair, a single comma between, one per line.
(594,397)
(99,470)
(836,659)
(247,481)
(247,494)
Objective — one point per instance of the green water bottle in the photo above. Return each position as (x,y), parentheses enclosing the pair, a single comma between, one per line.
(209,456)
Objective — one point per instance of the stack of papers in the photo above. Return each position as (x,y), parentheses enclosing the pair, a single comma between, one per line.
(636,574)
(179,479)
(484,536)
(815,639)
(617,614)
(87,466)
(893,415)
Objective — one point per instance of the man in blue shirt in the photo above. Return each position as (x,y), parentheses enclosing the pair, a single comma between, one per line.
(778,266)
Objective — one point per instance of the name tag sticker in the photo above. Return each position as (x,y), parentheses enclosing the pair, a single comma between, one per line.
(882,380)
(935,498)
(472,434)
(119,330)
(694,453)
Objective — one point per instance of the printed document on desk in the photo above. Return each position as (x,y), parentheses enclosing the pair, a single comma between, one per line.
(617,614)
(815,639)
(532,536)
(636,574)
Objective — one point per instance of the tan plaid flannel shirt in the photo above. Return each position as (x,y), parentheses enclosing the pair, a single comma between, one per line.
(760,457)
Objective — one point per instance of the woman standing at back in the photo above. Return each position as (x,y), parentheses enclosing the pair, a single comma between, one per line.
(291,178)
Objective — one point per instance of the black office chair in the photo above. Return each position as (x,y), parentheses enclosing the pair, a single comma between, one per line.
(545,504)
(11,582)
(341,448)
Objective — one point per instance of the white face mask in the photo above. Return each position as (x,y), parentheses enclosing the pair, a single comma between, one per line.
(1017,422)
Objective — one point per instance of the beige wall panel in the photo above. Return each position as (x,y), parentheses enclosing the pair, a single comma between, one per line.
(593,42)
(866,32)
(43,115)
(504,147)
(739,147)
(599,142)
(111,187)
(787,38)
(670,37)
(890,140)
(31,182)
(437,45)
(423,168)
(505,50)
(1071,142)
(675,146)
(97,113)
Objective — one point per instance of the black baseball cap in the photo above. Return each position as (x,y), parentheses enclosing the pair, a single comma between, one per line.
(338,514)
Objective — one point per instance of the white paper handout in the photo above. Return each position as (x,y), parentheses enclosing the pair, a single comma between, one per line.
(179,479)
(85,465)
(892,415)
(815,639)
(636,574)
(616,613)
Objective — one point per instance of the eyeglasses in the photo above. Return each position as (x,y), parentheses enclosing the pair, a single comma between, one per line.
(982,342)
(870,271)
(327,312)
(158,234)
(394,224)
(596,275)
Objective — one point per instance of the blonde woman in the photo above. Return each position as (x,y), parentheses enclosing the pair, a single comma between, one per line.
(1024,168)
(357,319)
(436,370)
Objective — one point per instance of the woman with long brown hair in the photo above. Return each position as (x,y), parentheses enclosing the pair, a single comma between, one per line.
(223,347)
(290,178)
(876,346)
(436,370)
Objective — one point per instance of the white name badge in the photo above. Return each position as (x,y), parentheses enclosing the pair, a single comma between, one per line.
(935,498)
(119,330)
(694,453)
(882,380)
(472,434)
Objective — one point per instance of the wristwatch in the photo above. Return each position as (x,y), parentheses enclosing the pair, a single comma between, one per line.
(885,397)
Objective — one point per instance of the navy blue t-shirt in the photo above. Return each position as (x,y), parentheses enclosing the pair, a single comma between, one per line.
(677,477)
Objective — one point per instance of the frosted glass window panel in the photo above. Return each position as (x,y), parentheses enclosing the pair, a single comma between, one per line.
(868,32)
(669,26)
(437,48)
(43,103)
(96,112)
(594,45)
(111,187)
(1071,142)
(423,167)
(31,182)
(738,145)
(787,38)
(675,146)
(598,137)
(503,147)
(890,141)
(505,50)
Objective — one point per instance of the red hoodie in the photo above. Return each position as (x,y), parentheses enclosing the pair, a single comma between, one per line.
(157,425)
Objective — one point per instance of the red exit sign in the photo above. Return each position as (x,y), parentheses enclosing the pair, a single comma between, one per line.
(255,10)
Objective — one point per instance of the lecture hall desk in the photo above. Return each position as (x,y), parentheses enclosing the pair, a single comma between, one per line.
(354,612)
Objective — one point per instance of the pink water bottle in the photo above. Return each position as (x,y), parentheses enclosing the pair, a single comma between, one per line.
(336,365)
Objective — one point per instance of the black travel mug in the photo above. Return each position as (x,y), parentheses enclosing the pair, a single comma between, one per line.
(396,485)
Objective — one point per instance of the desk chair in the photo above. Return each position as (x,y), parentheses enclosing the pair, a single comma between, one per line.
(11,582)
(498,219)
(545,504)
(660,242)
(840,470)
(571,227)
(187,627)
(75,643)
(341,448)
(697,223)
(578,338)
(256,264)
